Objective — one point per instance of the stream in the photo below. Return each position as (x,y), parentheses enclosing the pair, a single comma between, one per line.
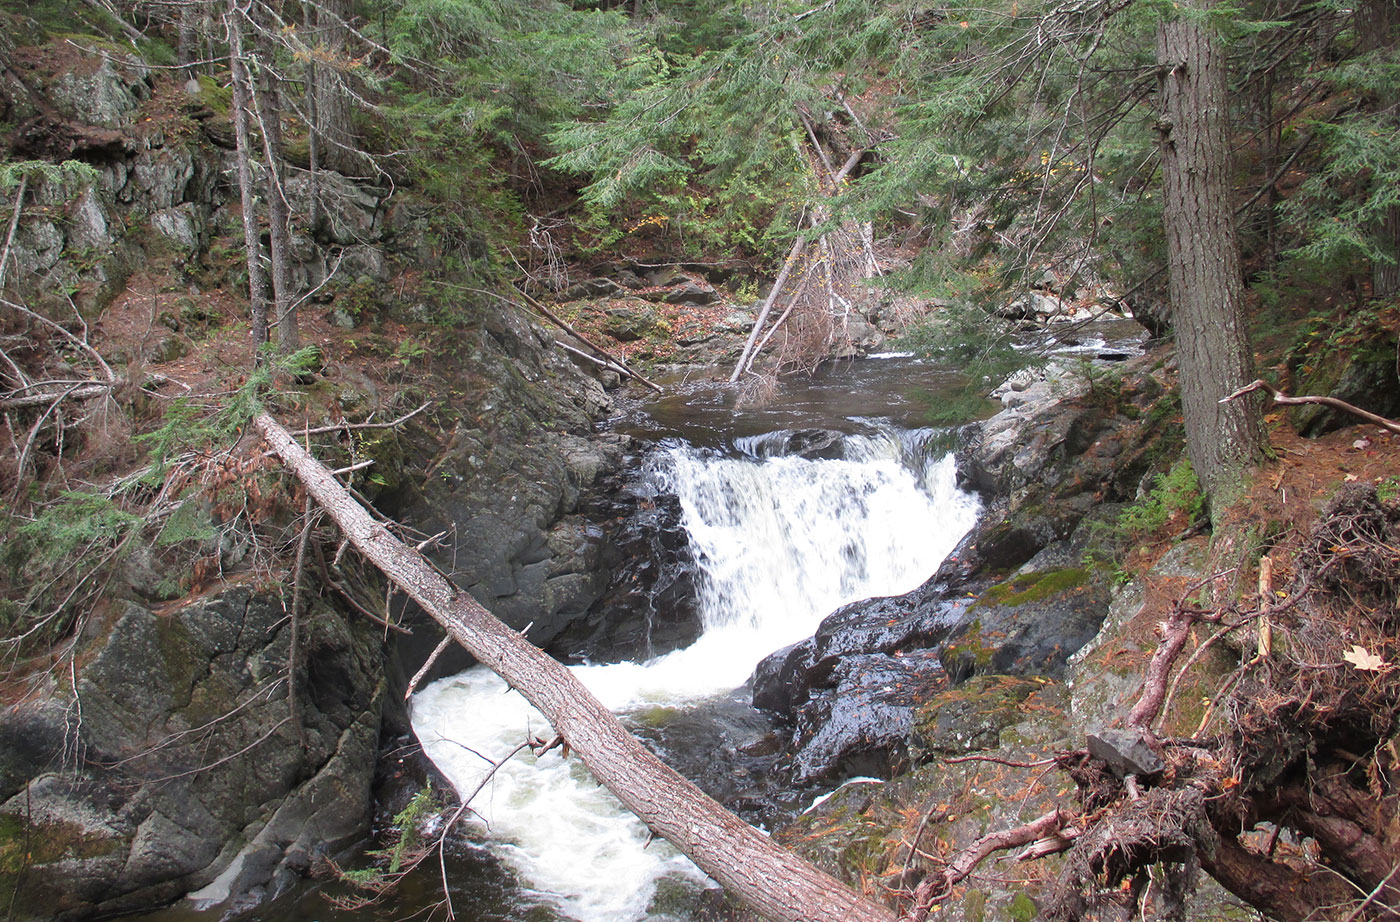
(780,541)
(831,491)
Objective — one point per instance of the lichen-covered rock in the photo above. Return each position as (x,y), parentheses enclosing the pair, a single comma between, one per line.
(159,179)
(168,760)
(971,716)
(88,224)
(101,90)
(1028,625)
(1105,675)
(182,226)
(351,212)
(627,324)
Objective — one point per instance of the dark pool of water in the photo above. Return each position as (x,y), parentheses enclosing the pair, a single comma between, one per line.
(845,396)
(841,396)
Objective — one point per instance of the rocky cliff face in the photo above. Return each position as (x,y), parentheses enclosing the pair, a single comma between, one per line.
(165,761)
(169,762)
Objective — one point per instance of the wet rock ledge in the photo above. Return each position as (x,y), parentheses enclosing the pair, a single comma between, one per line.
(1015,599)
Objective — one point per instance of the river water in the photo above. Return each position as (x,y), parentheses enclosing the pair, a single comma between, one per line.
(781,541)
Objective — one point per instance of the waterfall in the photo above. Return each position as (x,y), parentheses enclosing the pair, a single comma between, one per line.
(780,541)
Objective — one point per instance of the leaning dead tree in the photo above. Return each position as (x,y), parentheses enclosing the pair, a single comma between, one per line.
(821,281)
(773,881)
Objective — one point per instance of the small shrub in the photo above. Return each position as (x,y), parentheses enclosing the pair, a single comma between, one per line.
(1175,497)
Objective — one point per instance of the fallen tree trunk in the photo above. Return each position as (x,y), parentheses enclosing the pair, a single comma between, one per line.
(768,878)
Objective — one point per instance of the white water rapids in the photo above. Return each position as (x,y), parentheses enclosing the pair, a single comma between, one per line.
(780,542)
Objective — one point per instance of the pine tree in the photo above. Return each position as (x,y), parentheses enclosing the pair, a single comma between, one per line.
(1224,440)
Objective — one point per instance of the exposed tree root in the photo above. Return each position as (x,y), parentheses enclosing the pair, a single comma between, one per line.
(1293,803)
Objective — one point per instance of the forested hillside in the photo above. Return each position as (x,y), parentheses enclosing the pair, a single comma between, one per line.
(442,241)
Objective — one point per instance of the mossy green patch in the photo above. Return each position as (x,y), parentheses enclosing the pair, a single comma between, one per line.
(1021,909)
(971,715)
(25,848)
(972,647)
(1033,588)
(975,906)
(212,94)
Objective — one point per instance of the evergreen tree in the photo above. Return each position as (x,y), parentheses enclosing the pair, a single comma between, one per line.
(1224,440)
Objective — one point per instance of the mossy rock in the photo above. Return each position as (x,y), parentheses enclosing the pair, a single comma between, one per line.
(971,716)
(627,324)
(1366,378)
(212,94)
(1028,625)
(1034,588)
(44,859)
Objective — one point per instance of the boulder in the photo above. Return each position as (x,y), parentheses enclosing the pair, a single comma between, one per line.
(971,717)
(628,324)
(1365,377)
(183,226)
(860,724)
(182,769)
(89,228)
(349,210)
(159,179)
(694,294)
(592,288)
(102,90)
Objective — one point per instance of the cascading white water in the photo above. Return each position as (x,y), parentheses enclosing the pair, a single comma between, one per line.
(780,543)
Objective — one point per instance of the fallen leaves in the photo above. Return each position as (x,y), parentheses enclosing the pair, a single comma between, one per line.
(1365,660)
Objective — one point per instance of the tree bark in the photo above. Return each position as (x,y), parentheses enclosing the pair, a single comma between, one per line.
(313,118)
(242,113)
(775,882)
(1377,28)
(1207,286)
(267,103)
(338,146)
(189,43)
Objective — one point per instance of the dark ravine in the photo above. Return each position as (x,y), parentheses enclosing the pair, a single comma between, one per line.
(163,766)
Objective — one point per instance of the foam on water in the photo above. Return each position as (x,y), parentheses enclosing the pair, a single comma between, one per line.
(781,542)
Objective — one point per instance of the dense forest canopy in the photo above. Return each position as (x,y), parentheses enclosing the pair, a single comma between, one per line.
(1022,131)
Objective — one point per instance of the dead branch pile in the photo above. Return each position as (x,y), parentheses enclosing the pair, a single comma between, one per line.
(821,287)
(1288,793)
(1332,680)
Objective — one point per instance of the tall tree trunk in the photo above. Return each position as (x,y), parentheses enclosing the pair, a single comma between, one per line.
(190,39)
(268,106)
(339,149)
(772,880)
(1378,28)
(242,114)
(1204,275)
(313,119)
